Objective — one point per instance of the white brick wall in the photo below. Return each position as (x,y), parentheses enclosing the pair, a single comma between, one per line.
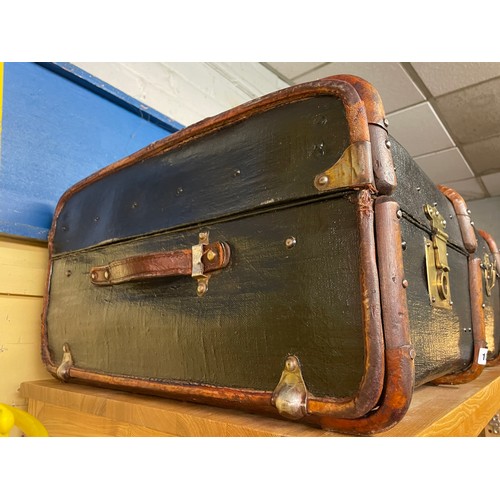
(188,91)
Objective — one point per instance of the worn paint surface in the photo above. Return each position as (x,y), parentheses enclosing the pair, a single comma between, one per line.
(54,133)
(265,160)
(1,103)
(23,267)
(269,302)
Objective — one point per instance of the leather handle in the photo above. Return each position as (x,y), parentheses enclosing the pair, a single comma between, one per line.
(195,262)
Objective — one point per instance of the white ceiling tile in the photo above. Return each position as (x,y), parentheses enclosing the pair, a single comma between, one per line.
(492,183)
(484,215)
(469,189)
(443,77)
(390,79)
(419,130)
(445,166)
(293,69)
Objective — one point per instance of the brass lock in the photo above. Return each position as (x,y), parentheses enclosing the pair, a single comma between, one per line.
(436,259)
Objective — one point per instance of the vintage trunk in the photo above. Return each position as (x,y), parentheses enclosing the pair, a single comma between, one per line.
(490,265)
(486,252)
(267,259)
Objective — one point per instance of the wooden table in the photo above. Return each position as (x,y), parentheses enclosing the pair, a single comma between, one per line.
(78,410)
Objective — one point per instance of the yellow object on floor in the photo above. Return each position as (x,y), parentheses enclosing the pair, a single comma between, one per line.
(10,417)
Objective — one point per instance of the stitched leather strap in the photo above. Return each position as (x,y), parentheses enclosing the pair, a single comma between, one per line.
(212,257)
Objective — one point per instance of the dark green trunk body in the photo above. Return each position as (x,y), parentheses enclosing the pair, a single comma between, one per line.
(442,338)
(270,302)
(251,185)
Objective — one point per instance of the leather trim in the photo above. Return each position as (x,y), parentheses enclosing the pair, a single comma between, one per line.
(383,164)
(468,236)
(399,354)
(372,382)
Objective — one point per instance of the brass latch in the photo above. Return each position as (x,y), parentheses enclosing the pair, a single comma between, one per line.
(436,259)
(490,273)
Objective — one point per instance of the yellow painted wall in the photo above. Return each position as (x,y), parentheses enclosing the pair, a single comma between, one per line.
(23,268)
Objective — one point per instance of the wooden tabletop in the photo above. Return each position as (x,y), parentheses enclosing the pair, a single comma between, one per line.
(79,410)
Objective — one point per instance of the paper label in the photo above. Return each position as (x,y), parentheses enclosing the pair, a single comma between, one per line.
(483,353)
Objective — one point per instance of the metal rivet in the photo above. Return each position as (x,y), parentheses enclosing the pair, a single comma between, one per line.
(399,214)
(451,302)
(203,237)
(433,299)
(405,283)
(291,363)
(388,144)
(319,149)
(483,305)
(64,228)
(435,204)
(468,211)
(404,245)
(418,189)
(135,204)
(179,191)
(471,223)
(211,255)
(96,218)
(412,353)
(465,329)
(323,180)
(106,275)
(93,276)
(68,273)
(236,173)
(470,329)
(201,288)
(290,242)
(451,216)
(386,122)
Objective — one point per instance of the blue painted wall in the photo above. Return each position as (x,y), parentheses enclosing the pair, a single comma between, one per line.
(55,132)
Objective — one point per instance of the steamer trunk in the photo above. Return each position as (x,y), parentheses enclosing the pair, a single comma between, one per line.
(266,259)
(487,251)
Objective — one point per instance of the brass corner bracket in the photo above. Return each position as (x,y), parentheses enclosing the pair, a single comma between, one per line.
(63,370)
(290,395)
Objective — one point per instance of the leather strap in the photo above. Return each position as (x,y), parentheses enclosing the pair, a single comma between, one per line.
(214,256)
